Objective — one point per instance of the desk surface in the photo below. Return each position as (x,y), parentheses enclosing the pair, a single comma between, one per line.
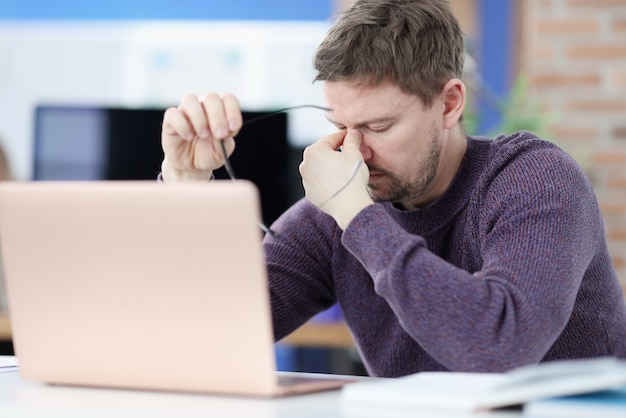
(26,399)
(19,398)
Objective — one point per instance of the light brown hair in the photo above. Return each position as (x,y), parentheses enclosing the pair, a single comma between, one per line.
(415,44)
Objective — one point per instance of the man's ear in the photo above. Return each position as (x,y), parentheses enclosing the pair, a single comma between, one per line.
(453,94)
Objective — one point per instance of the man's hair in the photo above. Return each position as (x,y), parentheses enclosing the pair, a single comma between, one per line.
(415,44)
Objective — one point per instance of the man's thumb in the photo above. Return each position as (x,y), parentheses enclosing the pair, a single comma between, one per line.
(352,142)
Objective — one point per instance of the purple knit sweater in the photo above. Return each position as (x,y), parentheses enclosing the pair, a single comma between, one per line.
(508,267)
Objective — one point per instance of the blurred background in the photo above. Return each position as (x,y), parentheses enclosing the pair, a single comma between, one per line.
(75,76)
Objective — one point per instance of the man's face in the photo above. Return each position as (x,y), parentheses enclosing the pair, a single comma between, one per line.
(401,142)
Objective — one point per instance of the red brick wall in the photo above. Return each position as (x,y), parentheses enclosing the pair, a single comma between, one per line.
(573,52)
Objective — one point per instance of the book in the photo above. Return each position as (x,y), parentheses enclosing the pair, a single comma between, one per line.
(8,363)
(455,392)
(606,404)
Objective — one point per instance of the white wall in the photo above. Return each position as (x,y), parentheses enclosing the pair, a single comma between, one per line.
(139,64)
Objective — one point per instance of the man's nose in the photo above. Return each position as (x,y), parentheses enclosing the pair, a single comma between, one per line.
(364,148)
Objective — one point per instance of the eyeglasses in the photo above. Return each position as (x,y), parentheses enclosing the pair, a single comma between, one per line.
(229,167)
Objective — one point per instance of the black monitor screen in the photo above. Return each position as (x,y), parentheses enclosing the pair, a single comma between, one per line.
(107,143)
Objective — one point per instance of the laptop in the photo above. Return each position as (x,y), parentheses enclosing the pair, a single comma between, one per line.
(141,285)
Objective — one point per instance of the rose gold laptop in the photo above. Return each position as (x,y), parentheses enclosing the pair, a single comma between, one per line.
(142,285)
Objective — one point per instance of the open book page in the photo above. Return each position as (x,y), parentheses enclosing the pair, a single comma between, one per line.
(456,392)
(428,391)
(8,363)
(557,378)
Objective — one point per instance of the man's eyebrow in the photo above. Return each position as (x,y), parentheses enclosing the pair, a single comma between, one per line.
(382,119)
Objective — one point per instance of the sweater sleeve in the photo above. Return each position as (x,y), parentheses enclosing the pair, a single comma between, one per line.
(297,259)
(536,230)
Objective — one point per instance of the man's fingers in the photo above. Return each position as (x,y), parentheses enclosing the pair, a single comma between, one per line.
(233,114)
(194,132)
(348,141)
(332,141)
(176,123)
(209,117)
(193,110)
(352,142)
(214,109)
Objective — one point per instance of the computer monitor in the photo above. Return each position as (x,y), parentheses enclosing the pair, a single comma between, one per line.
(116,143)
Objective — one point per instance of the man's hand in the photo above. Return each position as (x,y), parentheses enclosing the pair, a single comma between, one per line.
(325,171)
(192,133)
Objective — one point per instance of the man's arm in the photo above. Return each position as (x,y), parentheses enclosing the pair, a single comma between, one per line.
(537,235)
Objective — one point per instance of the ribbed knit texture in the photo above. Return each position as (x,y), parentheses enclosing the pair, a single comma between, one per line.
(509,267)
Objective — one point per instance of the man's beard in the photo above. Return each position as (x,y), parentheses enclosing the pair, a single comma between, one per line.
(403,192)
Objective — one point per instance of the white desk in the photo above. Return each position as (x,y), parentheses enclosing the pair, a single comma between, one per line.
(19,398)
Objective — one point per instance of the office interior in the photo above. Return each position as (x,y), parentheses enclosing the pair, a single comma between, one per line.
(107,70)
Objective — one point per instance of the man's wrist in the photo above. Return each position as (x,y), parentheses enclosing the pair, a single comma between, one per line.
(348,212)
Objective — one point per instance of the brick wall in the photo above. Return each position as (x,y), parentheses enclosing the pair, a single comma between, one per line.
(573,53)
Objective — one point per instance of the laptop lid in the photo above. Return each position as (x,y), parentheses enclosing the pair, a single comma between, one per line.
(138,285)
